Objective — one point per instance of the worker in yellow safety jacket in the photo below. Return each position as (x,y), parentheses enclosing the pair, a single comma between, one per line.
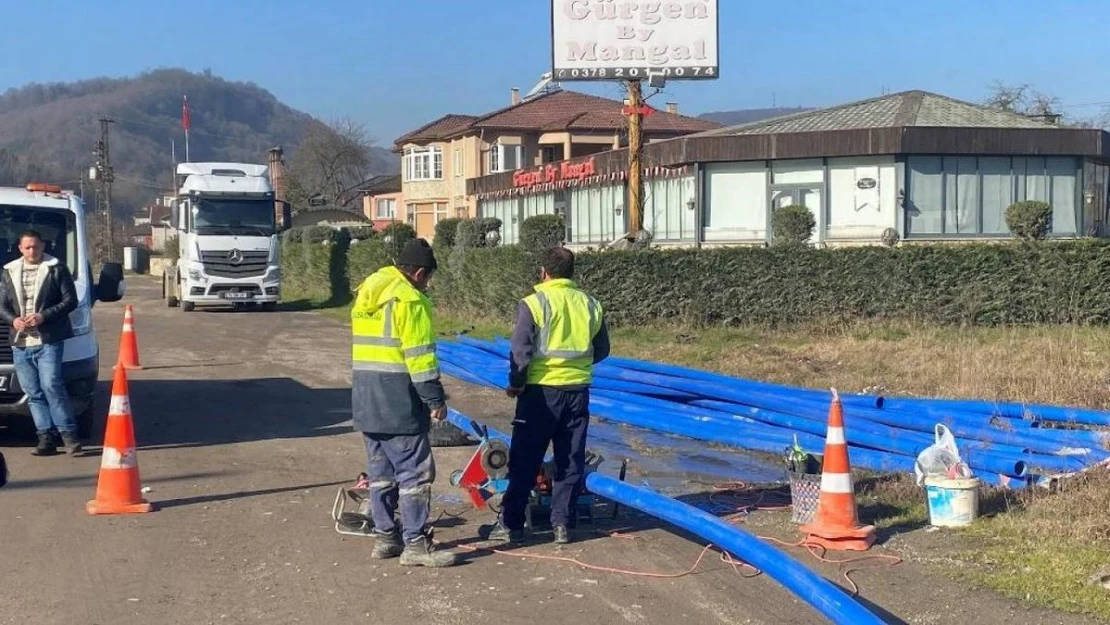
(560,334)
(395,392)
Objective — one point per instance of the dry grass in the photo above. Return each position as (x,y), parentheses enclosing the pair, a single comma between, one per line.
(1052,549)
(1037,547)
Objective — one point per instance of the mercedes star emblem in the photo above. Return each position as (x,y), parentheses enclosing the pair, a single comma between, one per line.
(235,256)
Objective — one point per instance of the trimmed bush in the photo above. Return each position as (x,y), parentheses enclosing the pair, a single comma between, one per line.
(314,263)
(445,232)
(397,234)
(360,232)
(541,232)
(1029,220)
(792,225)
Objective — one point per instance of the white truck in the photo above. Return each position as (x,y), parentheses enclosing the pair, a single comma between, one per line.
(225,221)
(60,217)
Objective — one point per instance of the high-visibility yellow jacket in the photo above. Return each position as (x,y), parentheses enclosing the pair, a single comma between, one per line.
(560,334)
(396,373)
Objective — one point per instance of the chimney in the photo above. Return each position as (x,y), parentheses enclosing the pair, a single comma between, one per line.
(672,108)
(277,181)
(515,96)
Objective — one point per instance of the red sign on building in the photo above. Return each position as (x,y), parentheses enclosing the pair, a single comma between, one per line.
(554,172)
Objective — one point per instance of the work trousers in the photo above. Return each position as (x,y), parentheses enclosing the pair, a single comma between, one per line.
(39,370)
(401,470)
(547,415)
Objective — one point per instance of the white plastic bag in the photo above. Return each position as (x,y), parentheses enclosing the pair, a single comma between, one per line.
(941,459)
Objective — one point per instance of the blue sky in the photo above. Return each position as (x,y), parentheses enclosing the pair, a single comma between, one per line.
(395,65)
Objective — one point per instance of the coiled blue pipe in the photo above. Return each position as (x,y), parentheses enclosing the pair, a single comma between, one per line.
(821,594)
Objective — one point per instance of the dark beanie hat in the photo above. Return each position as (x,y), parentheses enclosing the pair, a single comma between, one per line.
(417,253)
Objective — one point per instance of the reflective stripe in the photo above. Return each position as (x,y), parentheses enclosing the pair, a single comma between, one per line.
(380,367)
(545,321)
(419,350)
(569,355)
(425,376)
(387,328)
(382,485)
(835,436)
(595,324)
(379,341)
(838,483)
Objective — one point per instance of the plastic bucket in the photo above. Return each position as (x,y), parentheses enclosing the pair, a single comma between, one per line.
(805,491)
(952,502)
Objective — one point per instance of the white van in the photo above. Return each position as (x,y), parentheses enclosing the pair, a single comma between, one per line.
(60,217)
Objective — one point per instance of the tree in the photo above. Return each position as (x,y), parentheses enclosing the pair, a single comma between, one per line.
(1025,100)
(330,162)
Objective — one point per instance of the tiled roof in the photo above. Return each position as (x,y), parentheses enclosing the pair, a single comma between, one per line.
(379,185)
(570,110)
(906,109)
(438,129)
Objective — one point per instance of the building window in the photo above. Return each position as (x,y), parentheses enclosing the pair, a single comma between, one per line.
(462,212)
(968,195)
(411,216)
(423,164)
(457,163)
(386,209)
(504,158)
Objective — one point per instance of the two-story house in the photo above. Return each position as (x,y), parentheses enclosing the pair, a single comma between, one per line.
(438,158)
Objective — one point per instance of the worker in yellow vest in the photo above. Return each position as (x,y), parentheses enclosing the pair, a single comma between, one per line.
(560,334)
(395,392)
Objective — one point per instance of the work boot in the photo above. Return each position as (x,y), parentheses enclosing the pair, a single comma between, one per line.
(562,534)
(72,443)
(500,533)
(421,552)
(387,545)
(46,446)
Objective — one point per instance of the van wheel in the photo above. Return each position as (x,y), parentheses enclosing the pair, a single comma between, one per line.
(188,306)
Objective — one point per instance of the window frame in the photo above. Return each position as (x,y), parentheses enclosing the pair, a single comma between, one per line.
(391,202)
(421,164)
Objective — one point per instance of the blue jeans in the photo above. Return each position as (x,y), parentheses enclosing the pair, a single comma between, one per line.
(401,470)
(39,369)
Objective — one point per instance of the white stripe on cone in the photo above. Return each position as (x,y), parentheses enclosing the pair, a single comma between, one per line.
(839,483)
(835,436)
(120,405)
(112,458)
(127,327)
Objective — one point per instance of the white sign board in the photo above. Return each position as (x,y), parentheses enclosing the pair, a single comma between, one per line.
(629,40)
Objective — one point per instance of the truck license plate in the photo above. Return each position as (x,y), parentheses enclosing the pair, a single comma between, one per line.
(236,295)
(3,383)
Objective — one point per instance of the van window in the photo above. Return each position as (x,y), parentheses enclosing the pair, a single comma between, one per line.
(57,227)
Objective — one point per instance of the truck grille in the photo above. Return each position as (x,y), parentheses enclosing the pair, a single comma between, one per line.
(5,349)
(234,263)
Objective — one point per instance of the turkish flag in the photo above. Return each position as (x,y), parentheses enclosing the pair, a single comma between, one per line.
(185,113)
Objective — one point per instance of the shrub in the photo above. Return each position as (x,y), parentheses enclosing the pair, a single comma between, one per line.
(395,235)
(792,224)
(1029,220)
(976,284)
(445,232)
(541,232)
(360,232)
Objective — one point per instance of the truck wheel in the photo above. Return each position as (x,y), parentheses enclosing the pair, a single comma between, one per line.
(188,306)
(167,293)
(269,306)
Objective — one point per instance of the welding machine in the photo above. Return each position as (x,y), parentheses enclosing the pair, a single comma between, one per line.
(486,476)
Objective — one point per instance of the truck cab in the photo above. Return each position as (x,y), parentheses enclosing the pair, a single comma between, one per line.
(60,217)
(227,231)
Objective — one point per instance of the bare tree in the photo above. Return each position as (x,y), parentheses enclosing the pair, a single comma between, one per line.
(329,163)
(1012,99)
(1025,100)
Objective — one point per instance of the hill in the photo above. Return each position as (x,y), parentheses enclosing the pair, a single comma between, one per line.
(747,116)
(48,131)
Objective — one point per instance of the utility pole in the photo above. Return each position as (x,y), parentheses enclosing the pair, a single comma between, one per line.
(104,177)
(635,202)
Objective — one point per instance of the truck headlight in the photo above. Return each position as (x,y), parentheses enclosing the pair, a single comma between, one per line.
(195,275)
(81,320)
(273,275)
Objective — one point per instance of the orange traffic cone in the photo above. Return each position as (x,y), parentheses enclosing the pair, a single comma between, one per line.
(118,488)
(836,525)
(128,345)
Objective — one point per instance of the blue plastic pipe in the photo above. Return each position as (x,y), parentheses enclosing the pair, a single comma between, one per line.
(825,597)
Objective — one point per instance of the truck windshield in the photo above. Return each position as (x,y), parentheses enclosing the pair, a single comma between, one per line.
(243,217)
(57,227)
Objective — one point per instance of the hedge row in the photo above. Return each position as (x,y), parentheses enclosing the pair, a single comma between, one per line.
(977,284)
